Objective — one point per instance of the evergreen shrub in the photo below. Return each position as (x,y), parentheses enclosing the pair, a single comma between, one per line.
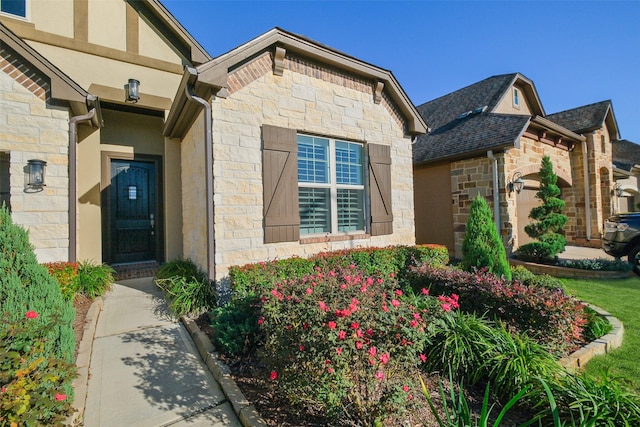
(482,247)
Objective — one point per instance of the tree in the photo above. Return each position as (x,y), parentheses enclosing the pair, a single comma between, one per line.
(482,246)
(549,221)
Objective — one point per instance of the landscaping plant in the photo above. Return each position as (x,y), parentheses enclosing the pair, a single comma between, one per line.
(36,335)
(482,247)
(549,221)
(186,286)
(343,341)
(66,274)
(94,279)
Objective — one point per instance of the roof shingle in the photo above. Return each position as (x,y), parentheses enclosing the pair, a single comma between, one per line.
(626,154)
(582,119)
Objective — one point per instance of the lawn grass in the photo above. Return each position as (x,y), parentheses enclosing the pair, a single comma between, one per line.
(620,297)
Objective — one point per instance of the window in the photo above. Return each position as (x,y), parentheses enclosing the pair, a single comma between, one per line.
(330,185)
(14,7)
(516,98)
(5,189)
(315,186)
(603,144)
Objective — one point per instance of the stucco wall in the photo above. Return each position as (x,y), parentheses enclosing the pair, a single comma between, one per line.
(311,99)
(31,128)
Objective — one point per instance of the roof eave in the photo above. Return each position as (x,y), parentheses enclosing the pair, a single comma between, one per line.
(467,154)
(183,112)
(562,131)
(214,73)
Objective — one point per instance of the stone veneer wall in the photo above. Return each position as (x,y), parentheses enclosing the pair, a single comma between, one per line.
(310,98)
(31,128)
(527,160)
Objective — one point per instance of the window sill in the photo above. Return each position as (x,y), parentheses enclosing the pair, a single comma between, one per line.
(336,238)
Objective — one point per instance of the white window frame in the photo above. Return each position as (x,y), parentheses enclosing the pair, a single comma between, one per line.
(516,97)
(333,187)
(26,16)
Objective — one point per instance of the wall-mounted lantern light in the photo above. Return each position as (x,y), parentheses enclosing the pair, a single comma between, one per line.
(132,91)
(36,173)
(617,190)
(516,184)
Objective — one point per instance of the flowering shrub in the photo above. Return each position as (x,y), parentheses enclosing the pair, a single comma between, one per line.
(600,264)
(372,261)
(35,389)
(66,274)
(548,315)
(344,341)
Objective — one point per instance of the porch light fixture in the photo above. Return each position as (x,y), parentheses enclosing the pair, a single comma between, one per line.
(517,183)
(132,91)
(36,173)
(617,190)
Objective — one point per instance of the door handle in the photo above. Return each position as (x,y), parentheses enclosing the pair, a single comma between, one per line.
(152,223)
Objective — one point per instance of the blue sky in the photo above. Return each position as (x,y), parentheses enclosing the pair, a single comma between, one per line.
(576,52)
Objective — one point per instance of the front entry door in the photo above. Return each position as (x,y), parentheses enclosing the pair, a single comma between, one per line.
(133,211)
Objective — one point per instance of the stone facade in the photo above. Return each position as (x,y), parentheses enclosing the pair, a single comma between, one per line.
(310,98)
(471,177)
(31,128)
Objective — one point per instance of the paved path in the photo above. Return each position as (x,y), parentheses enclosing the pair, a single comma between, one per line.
(145,369)
(579,252)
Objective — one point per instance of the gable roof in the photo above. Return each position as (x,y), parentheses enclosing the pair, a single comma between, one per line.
(163,19)
(63,88)
(626,154)
(212,76)
(464,122)
(588,118)
(470,136)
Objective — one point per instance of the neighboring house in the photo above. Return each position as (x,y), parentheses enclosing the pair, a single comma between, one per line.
(280,147)
(489,139)
(626,172)
(309,150)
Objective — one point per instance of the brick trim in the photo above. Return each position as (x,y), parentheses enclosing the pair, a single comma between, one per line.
(13,66)
(263,64)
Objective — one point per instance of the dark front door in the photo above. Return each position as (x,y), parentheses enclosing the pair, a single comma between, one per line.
(133,211)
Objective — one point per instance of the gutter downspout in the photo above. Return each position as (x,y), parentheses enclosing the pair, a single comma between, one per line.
(73,179)
(496,189)
(208,144)
(587,190)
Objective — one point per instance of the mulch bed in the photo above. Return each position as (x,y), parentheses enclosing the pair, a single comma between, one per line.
(81,304)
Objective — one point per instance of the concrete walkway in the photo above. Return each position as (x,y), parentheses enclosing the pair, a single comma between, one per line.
(579,252)
(145,369)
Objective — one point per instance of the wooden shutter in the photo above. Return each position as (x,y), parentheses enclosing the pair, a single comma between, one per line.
(280,183)
(380,188)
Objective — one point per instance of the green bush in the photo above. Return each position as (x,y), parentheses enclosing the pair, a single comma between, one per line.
(235,326)
(549,221)
(186,286)
(397,260)
(599,264)
(36,335)
(94,280)
(26,285)
(342,341)
(482,247)
(597,326)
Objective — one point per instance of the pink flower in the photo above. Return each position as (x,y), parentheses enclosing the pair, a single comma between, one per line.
(425,291)
(309,291)
(343,286)
(60,397)
(413,323)
(342,335)
(379,375)
(384,358)
(392,275)
(323,306)
(385,308)
(273,376)
(373,351)
(355,325)
(405,388)
(423,358)
(3,390)
(301,348)
(398,292)
(261,321)
(359,333)
(339,351)
(446,307)
(395,303)
(359,345)
(330,370)
(31,314)
(331,324)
